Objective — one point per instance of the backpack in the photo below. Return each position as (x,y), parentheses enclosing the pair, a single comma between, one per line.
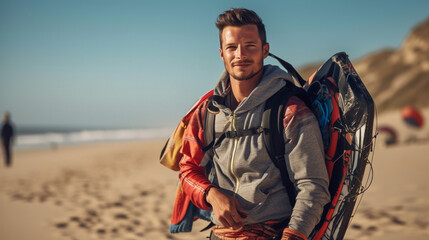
(170,153)
(345,112)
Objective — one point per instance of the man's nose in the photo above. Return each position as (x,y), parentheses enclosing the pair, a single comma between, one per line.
(241,52)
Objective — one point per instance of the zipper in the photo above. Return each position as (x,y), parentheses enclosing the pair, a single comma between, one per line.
(234,150)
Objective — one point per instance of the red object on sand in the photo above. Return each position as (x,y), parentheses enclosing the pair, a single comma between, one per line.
(412,117)
(392,136)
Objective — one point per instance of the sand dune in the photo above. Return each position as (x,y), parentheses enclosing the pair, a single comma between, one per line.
(120,191)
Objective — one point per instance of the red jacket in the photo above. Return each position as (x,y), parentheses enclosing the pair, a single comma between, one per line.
(193,180)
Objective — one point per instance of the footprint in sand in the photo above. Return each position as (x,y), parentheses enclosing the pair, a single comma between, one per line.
(376,220)
(396,220)
(121,216)
(61,225)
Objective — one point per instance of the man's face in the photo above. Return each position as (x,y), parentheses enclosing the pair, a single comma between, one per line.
(242,52)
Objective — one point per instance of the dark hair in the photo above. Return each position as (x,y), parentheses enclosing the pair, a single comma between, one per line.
(239,17)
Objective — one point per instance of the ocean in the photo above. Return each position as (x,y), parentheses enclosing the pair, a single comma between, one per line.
(30,138)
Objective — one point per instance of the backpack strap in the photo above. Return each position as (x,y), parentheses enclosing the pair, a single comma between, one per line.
(210,135)
(209,122)
(290,69)
(272,123)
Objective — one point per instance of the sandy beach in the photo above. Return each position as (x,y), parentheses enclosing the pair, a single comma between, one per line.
(98,191)
(120,191)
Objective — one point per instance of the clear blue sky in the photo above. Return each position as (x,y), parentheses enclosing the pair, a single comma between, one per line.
(129,63)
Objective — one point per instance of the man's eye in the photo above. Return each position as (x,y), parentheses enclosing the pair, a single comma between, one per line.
(231,47)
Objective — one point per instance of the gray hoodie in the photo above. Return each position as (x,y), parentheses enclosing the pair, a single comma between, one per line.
(244,170)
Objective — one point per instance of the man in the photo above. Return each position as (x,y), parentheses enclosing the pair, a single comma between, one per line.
(7,138)
(246,194)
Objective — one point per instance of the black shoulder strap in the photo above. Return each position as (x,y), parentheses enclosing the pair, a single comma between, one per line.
(209,123)
(214,139)
(290,69)
(272,123)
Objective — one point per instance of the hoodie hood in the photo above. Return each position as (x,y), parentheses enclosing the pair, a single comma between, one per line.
(272,81)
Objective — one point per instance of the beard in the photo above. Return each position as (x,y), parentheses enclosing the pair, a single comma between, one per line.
(243,77)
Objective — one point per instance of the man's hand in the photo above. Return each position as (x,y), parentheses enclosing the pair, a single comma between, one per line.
(226,209)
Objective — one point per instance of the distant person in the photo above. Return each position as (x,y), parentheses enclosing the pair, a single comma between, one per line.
(7,138)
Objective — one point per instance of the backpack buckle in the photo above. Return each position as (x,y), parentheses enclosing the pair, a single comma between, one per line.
(231,134)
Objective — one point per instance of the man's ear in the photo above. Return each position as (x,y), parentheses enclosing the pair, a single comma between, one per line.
(266,49)
(221,54)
